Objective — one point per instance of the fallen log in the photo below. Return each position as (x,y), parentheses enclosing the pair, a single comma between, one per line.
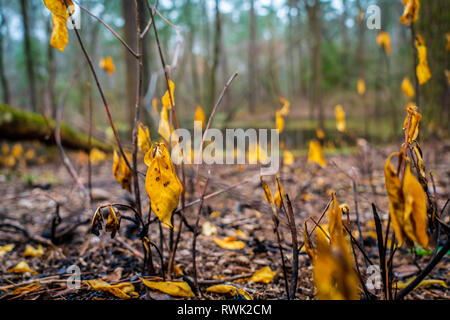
(17,124)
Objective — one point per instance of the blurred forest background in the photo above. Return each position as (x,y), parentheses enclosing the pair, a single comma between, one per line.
(310,52)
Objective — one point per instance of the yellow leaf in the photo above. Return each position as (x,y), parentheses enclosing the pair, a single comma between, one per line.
(230,243)
(229,289)
(407,88)
(320,134)
(164,127)
(288,158)
(315,153)
(29,288)
(5,149)
(33,252)
(279,121)
(112,223)
(199,115)
(361,86)
(97,155)
(121,171)
(263,275)
(144,138)
(333,272)
(423,284)
(335,222)
(6,248)
(17,151)
(407,205)
(166,99)
(178,271)
(123,290)
(420,164)
(410,11)
(222,288)
(267,192)
(161,182)
(340,118)
(279,196)
(285,109)
(177,289)
(414,120)
(241,234)
(107,64)
(384,40)
(30,154)
(422,69)
(214,214)
(244,294)
(256,154)
(415,215)
(60,36)
(22,267)
(308,243)
(155,105)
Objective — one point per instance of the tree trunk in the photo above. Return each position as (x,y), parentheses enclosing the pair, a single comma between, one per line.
(129,15)
(4,81)
(316,56)
(252,60)
(51,71)
(28,55)
(213,71)
(16,124)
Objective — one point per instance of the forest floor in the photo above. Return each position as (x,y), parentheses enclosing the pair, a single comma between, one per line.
(30,205)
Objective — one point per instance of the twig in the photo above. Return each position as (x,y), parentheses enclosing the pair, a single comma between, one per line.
(194,241)
(210,120)
(97,82)
(109,28)
(381,251)
(90,141)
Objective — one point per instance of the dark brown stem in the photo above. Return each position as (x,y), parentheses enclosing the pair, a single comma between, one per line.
(293,228)
(90,141)
(210,120)
(137,194)
(109,28)
(97,82)
(194,242)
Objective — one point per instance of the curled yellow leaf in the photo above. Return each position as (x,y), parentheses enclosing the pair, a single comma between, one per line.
(22,267)
(144,138)
(161,183)
(361,86)
(121,171)
(168,97)
(177,289)
(123,290)
(279,121)
(263,275)
(199,115)
(315,153)
(30,251)
(384,40)
(107,64)
(340,118)
(230,243)
(410,11)
(407,88)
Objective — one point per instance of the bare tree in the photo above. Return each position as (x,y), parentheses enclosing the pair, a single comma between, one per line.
(28,54)
(252,60)
(5,87)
